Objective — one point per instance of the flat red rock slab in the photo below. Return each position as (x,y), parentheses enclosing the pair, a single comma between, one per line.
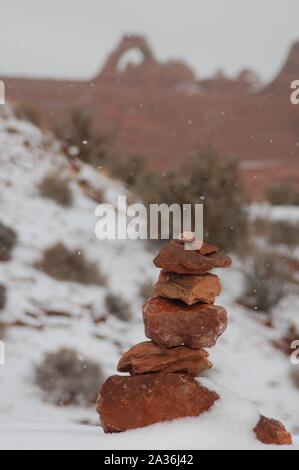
(147,358)
(170,323)
(272,432)
(190,288)
(175,258)
(134,402)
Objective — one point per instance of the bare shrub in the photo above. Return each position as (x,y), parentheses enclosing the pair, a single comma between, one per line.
(285,342)
(277,231)
(27,113)
(146,290)
(266,275)
(283,195)
(78,133)
(261,227)
(126,169)
(117,307)
(96,194)
(71,266)
(294,374)
(2,297)
(284,232)
(206,180)
(2,331)
(92,148)
(66,378)
(293,263)
(8,240)
(56,188)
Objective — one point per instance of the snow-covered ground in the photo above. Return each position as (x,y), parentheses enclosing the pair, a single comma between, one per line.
(187,434)
(244,359)
(267,211)
(228,425)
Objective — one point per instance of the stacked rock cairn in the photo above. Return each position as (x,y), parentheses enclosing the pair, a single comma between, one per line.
(180,321)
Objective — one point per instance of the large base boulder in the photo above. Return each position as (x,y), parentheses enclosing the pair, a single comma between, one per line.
(170,323)
(147,358)
(134,402)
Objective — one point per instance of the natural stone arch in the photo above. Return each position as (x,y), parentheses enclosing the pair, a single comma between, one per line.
(132,56)
(128,43)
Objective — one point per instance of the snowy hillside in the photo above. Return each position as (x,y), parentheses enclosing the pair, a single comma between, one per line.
(245,360)
(39,223)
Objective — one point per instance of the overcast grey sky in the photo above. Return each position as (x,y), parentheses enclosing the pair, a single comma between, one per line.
(71,38)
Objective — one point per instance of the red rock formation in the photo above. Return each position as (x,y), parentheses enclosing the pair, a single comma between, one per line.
(134,402)
(148,357)
(176,259)
(170,324)
(190,289)
(289,72)
(162,111)
(270,431)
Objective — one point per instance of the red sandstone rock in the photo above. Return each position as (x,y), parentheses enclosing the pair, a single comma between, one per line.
(170,323)
(189,238)
(208,249)
(148,357)
(270,431)
(135,402)
(189,288)
(175,258)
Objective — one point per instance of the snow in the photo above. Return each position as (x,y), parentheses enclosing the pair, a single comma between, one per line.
(187,434)
(268,212)
(245,360)
(227,425)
